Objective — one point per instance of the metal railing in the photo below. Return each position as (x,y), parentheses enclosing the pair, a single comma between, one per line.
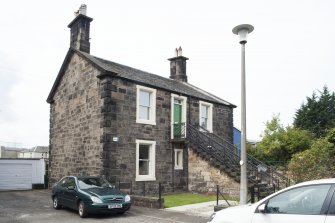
(222,152)
(262,167)
(179,130)
(218,194)
(217,152)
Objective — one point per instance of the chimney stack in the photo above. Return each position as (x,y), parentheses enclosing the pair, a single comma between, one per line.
(80,30)
(178,66)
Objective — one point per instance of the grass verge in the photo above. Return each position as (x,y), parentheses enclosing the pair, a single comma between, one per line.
(173,200)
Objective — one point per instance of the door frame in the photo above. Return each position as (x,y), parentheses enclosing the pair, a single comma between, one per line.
(183,100)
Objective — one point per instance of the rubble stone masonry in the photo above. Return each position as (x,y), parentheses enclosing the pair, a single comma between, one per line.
(93,131)
(203,177)
(75,131)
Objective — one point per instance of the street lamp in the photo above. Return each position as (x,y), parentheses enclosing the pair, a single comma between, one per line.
(242,31)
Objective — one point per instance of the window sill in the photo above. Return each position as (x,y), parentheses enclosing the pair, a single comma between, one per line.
(145,178)
(146,122)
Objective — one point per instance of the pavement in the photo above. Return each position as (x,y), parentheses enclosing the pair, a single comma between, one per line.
(201,209)
(35,206)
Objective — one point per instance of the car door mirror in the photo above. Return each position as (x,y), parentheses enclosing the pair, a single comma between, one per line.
(261,208)
(71,187)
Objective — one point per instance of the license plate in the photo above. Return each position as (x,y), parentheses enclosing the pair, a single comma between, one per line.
(110,206)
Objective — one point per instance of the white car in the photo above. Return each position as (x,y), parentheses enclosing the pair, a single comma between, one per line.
(308,202)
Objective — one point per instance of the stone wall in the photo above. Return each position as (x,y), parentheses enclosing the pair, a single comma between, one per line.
(223,122)
(75,147)
(93,129)
(203,177)
(222,118)
(119,158)
(148,202)
(89,110)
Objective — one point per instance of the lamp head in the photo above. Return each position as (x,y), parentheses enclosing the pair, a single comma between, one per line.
(242,31)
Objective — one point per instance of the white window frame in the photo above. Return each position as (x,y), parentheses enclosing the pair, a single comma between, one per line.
(183,109)
(180,158)
(210,114)
(152,163)
(152,110)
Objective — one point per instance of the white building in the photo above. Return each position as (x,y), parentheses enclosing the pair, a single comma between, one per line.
(39,152)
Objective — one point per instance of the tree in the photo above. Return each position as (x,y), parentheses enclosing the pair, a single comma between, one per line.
(279,144)
(315,163)
(317,115)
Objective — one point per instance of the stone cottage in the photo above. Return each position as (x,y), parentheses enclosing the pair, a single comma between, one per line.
(132,126)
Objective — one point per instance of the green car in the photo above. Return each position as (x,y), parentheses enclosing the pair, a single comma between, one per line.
(89,195)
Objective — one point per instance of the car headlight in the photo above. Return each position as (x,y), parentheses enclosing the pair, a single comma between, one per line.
(96,199)
(127,198)
(212,217)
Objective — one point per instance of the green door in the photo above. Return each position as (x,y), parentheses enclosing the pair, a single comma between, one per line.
(177,125)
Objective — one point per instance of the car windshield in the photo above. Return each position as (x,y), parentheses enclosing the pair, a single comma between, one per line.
(92,182)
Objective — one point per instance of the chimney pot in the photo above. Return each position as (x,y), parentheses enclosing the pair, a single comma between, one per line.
(180,51)
(83,9)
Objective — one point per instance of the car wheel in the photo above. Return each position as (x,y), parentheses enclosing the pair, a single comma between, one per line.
(82,210)
(55,203)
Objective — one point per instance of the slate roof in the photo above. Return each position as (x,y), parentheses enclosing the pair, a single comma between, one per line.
(5,148)
(142,77)
(40,149)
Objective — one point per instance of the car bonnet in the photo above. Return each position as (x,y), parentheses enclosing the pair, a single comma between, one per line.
(103,191)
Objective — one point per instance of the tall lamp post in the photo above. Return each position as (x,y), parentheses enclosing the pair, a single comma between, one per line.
(242,31)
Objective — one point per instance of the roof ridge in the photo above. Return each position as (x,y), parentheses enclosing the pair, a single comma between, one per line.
(120,64)
(140,77)
(208,93)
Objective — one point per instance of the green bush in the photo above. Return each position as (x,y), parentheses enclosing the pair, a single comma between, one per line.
(315,163)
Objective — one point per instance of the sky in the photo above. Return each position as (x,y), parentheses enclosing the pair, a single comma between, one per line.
(289,54)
